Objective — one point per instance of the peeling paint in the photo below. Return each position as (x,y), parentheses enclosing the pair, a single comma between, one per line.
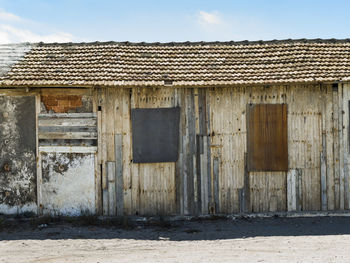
(68,183)
(17,155)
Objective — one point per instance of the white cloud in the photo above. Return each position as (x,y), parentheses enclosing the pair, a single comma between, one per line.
(213,18)
(11,34)
(5,16)
(14,29)
(214,25)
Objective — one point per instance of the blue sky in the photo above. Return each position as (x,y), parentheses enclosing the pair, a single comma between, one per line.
(165,21)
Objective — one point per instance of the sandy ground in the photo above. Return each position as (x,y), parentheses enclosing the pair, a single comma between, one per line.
(318,239)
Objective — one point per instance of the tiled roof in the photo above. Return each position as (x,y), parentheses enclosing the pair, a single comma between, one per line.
(188,63)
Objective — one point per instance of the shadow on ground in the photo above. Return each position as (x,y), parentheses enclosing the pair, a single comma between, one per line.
(214,229)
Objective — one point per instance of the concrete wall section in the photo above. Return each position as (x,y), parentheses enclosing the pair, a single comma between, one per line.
(17,155)
(68,183)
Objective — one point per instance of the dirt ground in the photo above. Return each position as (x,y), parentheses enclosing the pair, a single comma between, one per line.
(315,239)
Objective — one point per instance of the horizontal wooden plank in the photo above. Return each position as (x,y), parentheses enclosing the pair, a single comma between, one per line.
(68,115)
(58,122)
(68,149)
(45,129)
(67,135)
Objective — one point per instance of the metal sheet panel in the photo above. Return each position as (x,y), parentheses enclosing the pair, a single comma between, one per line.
(267,137)
(155,135)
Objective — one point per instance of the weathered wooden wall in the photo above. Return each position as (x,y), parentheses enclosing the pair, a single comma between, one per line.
(147,189)
(210,174)
(268,190)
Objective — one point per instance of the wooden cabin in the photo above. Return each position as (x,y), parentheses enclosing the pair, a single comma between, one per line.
(174,128)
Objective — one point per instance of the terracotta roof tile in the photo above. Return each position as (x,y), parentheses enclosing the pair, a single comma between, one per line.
(216,63)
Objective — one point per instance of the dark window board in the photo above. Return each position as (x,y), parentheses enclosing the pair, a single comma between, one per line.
(267,140)
(155,135)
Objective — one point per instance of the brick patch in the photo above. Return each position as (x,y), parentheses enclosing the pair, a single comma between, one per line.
(61,103)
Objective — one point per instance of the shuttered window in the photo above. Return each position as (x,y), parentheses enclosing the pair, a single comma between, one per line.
(267,137)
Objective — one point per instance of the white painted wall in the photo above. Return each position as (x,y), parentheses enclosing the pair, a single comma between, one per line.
(71,191)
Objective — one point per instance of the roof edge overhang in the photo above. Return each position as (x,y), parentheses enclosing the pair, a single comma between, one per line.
(197,43)
(160,84)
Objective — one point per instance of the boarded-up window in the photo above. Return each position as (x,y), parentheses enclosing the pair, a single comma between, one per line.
(267,137)
(155,135)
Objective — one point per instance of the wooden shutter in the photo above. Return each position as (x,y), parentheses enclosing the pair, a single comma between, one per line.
(267,137)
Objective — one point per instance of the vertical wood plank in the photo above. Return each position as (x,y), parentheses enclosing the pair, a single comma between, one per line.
(323,174)
(336,156)
(300,190)
(119,174)
(291,190)
(104,152)
(179,165)
(204,178)
(197,105)
(111,188)
(346,144)
(195,184)
(127,154)
(190,149)
(205,113)
(323,155)
(110,123)
(341,148)
(330,149)
(216,173)
(97,159)
(38,159)
(135,168)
